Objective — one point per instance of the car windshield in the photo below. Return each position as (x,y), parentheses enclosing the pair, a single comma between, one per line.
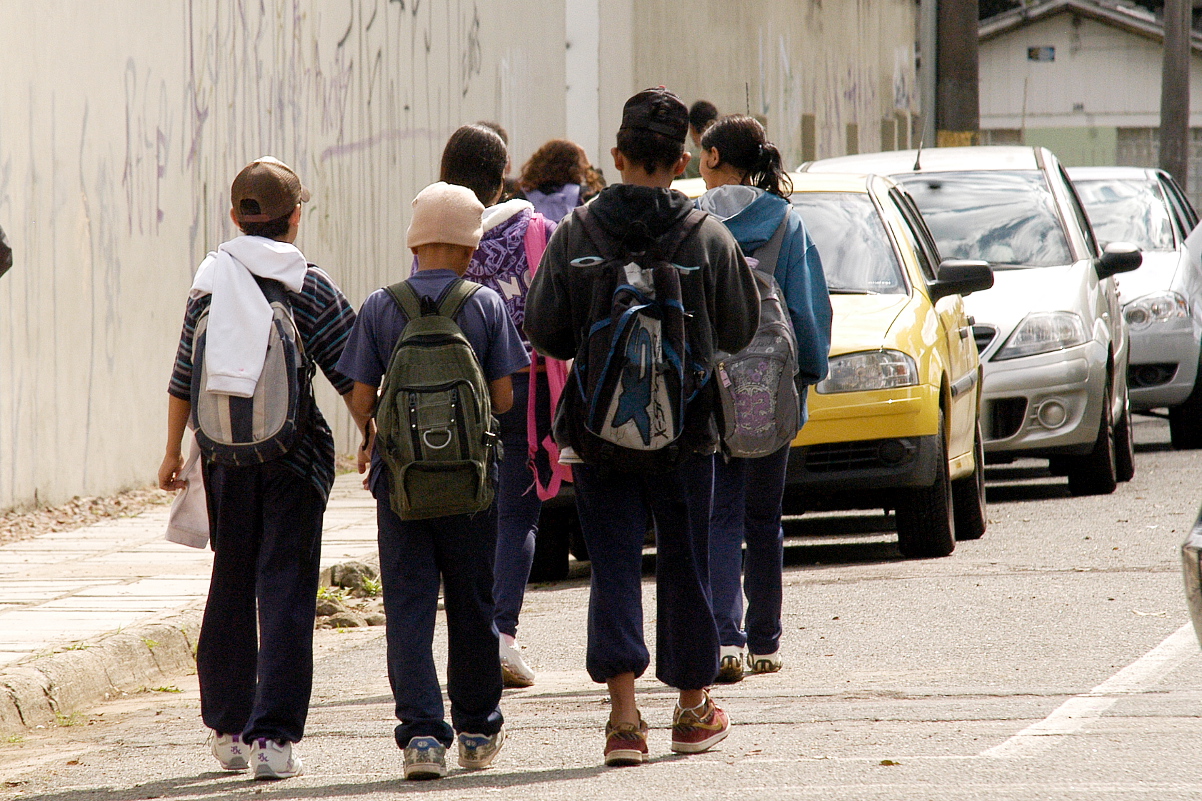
(1127,211)
(1007,218)
(855,250)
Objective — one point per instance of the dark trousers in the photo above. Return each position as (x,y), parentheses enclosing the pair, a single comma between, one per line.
(747,508)
(414,556)
(615,509)
(518,505)
(256,675)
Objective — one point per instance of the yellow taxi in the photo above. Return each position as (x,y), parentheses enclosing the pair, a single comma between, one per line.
(895,423)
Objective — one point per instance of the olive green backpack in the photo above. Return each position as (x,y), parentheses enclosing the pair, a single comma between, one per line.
(434,423)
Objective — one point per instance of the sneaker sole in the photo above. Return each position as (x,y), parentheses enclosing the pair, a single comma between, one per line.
(514,680)
(703,745)
(265,773)
(762,667)
(481,764)
(424,772)
(235,765)
(624,757)
(729,676)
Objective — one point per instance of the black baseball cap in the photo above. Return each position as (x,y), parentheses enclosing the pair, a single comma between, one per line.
(657,110)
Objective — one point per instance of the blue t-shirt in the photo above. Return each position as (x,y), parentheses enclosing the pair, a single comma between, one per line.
(484,320)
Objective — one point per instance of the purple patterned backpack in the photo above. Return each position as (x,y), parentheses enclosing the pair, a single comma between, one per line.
(758,400)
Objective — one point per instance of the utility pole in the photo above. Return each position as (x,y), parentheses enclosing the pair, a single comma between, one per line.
(957,103)
(1174,90)
(928,22)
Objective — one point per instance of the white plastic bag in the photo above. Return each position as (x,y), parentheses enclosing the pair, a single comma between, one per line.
(188,523)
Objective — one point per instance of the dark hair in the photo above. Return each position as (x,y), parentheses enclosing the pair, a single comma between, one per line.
(270,229)
(475,157)
(496,128)
(743,144)
(555,163)
(701,114)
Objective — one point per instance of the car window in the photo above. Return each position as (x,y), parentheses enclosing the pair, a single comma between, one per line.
(1005,217)
(1128,211)
(856,253)
(1187,218)
(1078,209)
(916,232)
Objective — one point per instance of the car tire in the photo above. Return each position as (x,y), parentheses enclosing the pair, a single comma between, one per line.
(925,525)
(551,545)
(1094,473)
(968,495)
(1124,446)
(1185,421)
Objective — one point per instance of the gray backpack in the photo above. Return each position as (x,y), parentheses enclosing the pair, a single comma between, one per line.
(434,424)
(244,431)
(759,403)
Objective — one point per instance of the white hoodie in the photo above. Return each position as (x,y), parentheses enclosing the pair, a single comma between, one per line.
(240,316)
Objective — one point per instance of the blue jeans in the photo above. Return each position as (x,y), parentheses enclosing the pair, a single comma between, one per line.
(415,555)
(256,671)
(747,508)
(518,505)
(615,509)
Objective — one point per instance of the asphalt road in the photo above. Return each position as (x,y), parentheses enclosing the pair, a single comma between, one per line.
(1045,661)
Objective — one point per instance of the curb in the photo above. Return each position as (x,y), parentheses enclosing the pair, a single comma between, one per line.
(48,689)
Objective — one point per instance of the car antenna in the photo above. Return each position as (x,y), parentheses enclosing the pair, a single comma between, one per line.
(918,157)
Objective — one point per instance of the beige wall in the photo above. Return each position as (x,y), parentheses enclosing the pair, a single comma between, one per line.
(120,130)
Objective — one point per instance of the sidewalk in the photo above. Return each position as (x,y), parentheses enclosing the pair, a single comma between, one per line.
(108,608)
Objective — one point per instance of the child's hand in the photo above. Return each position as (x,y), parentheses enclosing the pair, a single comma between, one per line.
(169,472)
(363,457)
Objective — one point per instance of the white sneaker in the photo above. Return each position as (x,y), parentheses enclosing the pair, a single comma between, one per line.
(514,670)
(274,760)
(476,751)
(764,663)
(730,664)
(230,750)
(568,455)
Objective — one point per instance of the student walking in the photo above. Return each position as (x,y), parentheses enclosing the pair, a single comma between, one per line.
(419,549)
(642,243)
(475,157)
(556,178)
(748,190)
(266,499)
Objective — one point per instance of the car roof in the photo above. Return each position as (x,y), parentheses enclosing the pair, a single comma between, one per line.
(936,159)
(1115,173)
(802,182)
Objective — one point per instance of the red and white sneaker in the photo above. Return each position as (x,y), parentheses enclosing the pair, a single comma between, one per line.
(625,743)
(699,728)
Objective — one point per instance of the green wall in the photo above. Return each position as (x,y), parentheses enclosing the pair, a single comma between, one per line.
(1077,147)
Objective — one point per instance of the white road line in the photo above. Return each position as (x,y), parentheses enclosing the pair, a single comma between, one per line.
(1072,716)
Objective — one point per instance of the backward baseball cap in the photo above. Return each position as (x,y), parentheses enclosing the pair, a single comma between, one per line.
(266,189)
(658,110)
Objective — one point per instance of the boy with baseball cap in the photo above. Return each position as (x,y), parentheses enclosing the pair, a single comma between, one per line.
(721,305)
(254,658)
(457,549)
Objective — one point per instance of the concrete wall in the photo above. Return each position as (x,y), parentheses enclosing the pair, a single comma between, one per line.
(121,129)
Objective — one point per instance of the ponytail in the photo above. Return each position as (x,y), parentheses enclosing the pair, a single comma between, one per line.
(743,144)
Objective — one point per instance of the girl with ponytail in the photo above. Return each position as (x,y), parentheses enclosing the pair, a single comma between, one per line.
(748,189)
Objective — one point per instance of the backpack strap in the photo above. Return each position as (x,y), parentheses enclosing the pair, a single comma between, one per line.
(667,245)
(610,248)
(768,253)
(407,299)
(455,295)
(535,241)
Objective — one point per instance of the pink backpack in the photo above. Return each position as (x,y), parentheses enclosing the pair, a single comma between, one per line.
(557,376)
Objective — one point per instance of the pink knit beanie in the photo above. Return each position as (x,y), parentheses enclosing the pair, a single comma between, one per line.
(446,213)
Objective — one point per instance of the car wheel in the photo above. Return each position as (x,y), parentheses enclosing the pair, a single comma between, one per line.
(1185,421)
(968,496)
(925,527)
(1124,446)
(551,545)
(1094,474)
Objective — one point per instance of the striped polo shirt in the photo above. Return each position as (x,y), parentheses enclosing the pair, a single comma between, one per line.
(324,319)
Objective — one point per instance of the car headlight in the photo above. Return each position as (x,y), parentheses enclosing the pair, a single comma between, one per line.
(858,372)
(1163,307)
(1044,332)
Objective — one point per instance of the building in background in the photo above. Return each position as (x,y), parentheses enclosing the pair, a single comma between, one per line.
(115,159)
(1082,78)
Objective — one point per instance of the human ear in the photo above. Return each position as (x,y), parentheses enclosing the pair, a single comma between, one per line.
(619,159)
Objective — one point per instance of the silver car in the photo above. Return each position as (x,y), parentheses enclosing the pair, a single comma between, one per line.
(1162,300)
(1053,343)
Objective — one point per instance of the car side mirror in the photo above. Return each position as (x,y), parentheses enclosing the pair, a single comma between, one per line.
(1118,257)
(961,277)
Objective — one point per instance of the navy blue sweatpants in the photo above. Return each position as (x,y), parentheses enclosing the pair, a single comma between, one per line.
(256,672)
(614,510)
